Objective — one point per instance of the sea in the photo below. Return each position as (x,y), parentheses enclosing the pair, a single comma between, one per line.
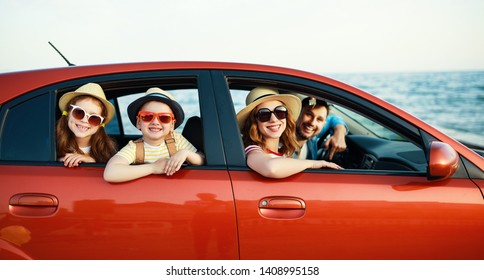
(453,102)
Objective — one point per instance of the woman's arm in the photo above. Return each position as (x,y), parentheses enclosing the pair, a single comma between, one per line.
(281,167)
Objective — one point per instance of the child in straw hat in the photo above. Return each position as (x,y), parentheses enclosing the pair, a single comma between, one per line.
(164,151)
(268,124)
(80,131)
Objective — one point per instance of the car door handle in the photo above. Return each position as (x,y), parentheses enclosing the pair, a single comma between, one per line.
(33,204)
(282,207)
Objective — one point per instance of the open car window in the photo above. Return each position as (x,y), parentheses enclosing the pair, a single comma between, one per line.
(121,92)
(372,144)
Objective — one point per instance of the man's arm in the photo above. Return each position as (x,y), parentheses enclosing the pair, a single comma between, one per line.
(338,130)
(336,141)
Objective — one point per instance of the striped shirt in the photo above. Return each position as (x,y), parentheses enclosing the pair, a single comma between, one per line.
(154,153)
(251,148)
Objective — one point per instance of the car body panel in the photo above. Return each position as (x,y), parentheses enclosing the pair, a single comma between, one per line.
(140,219)
(386,217)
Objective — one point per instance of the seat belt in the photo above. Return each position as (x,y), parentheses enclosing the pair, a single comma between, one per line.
(140,148)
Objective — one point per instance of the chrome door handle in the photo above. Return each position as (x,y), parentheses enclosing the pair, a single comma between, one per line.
(282,207)
(33,204)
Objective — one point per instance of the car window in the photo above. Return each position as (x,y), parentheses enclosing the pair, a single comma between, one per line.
(25,132)
(371,145)
(113,127)
(371,127)
(121,92)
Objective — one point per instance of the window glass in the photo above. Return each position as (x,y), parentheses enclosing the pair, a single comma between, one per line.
(26,134)
(113,126)
(238,97)
(372,127)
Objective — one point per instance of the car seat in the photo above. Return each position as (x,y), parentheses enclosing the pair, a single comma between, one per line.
(193,132)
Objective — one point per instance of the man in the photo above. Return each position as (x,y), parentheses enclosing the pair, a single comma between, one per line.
(313,124)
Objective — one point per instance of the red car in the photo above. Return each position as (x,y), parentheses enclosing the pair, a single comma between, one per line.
(407,191)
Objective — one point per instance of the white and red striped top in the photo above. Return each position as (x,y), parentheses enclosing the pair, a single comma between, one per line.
(251,148)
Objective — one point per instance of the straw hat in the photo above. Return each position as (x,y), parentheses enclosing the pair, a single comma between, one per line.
(90,89)
(262,94)
(156,94)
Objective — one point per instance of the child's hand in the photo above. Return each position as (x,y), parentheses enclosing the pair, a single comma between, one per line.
(175,162)
(159,166)
(74,159)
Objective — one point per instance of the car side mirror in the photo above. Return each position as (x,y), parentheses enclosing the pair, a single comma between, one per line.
(443,161)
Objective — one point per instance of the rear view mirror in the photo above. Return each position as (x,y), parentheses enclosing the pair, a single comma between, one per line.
(443,161)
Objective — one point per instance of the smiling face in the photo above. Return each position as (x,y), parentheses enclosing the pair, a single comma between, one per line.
(82,129)
(310,122)
(154,132)
(274,127)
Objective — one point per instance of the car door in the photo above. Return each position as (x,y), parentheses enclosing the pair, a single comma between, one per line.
(48,211)
(356,213)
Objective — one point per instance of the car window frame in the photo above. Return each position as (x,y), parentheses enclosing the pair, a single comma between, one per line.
(223,78)
(212,136)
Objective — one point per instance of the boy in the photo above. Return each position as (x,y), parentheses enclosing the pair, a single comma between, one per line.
(161,150)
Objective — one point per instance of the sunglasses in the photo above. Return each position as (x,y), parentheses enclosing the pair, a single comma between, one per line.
(264,114)
(78,113)
(146,116)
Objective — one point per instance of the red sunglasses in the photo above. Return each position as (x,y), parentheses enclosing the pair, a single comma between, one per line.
(146,116)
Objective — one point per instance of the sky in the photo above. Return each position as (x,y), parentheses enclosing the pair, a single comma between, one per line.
(319,36)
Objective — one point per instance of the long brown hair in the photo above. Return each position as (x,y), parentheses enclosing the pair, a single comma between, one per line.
(252,136)
(103,147)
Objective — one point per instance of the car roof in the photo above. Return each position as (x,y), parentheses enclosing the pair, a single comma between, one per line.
(10,82)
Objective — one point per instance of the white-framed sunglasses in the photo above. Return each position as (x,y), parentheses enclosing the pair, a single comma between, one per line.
(79,113)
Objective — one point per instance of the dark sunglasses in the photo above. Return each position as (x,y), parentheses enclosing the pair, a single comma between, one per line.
(146,116)
(264,114)
(78,113)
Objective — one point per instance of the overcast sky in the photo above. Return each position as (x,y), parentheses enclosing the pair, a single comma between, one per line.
(320,36)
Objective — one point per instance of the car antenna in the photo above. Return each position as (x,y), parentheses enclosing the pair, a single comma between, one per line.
(68,62)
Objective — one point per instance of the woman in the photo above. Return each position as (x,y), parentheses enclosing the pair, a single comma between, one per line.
(80,131)
(268,124)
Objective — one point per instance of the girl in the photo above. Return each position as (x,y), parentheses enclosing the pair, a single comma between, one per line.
(268,124)
(80,131)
